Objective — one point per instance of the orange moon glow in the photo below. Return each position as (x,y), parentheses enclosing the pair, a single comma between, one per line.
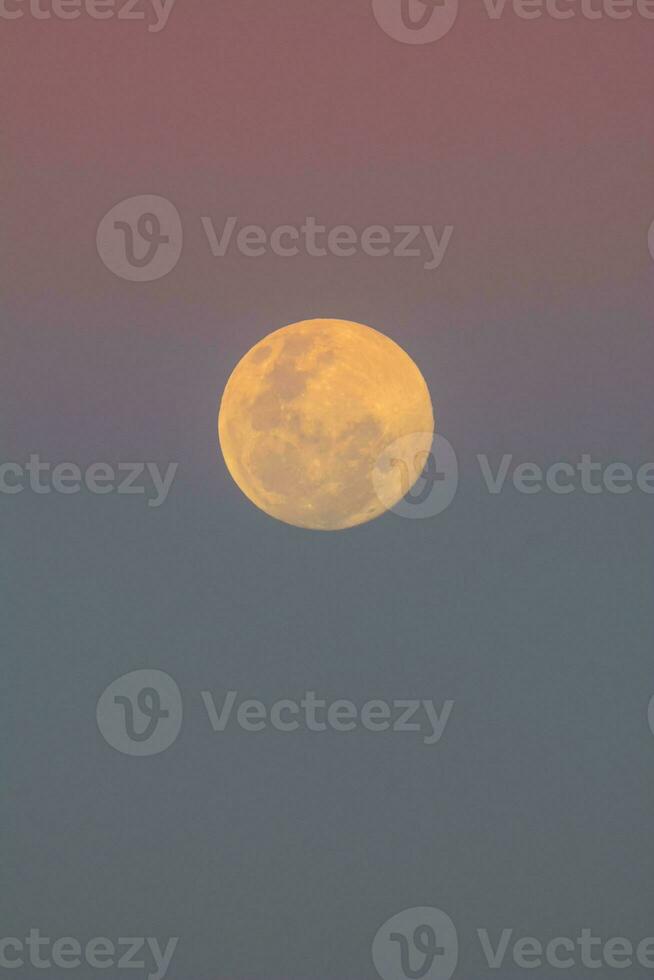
(308,414)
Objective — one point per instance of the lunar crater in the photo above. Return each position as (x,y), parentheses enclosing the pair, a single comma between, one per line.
(307,415)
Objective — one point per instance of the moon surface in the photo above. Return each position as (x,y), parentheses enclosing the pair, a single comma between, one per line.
(307,418)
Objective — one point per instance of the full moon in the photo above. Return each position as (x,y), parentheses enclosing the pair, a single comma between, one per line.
(307,418)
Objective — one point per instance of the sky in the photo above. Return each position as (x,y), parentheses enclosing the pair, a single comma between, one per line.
(281,854)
